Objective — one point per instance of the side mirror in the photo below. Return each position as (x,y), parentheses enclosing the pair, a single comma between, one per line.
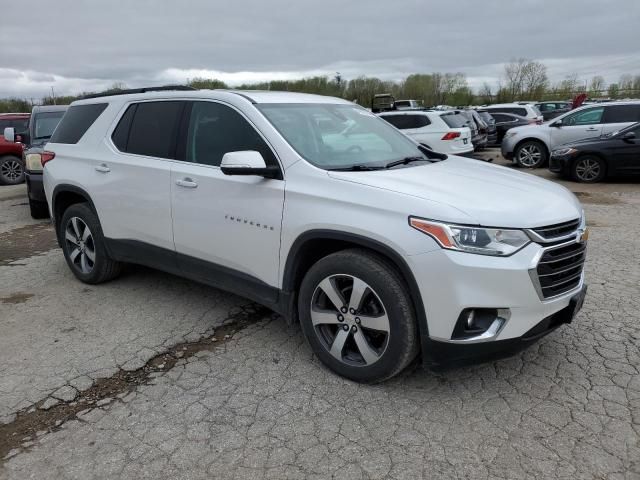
(557,123)
(629,136)
(10,134)
(248,162)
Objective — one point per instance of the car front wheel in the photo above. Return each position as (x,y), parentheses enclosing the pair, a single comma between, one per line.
(589,169)
(531,154)
(357,316)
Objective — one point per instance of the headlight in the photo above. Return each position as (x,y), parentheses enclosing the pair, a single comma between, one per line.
(509,134)
(484,241)
(564,151)
(33,162)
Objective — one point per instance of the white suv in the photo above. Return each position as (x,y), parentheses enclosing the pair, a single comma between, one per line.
(444,132)
(317,208)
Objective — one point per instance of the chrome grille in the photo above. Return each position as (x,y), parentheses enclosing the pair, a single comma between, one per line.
(558,230)
(560,269)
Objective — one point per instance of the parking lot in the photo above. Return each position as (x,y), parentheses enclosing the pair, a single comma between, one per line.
(154,376)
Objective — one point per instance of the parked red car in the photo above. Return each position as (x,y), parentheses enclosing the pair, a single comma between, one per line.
(11,161)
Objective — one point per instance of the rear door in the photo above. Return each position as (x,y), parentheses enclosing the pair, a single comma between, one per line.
(585,123)
(617,117)
(226,228)
(132,183)
(626,153)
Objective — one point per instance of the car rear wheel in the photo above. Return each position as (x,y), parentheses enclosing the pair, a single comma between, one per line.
(589,169)
(531,154)
(83,246)
(357,316)
(11,170)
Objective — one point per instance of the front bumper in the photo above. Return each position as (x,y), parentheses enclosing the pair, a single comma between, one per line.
(35,186)
(450,282)
(560,163)
(446,355)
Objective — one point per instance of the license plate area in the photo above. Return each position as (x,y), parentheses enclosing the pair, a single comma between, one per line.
(577,301)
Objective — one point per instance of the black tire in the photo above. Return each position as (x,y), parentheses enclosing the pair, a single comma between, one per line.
(102,268)
(39,210)
(394,348)
(531,154)
(11,170)
(588,169)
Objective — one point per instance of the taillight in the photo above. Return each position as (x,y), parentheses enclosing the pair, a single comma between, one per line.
(451,135)
(46,157)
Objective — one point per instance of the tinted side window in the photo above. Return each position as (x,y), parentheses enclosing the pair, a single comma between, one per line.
(153,129)
(590,116)
(19,125)
(76,122)
(499,117)
(621,113)
(215,129)
(120,135)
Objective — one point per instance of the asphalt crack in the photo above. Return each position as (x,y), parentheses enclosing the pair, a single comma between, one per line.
(41,418)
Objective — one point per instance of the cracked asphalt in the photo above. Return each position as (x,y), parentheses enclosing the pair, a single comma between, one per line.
(258,404)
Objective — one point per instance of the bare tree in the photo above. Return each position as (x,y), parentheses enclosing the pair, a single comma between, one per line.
(525,79)
(596,85)
(485,93)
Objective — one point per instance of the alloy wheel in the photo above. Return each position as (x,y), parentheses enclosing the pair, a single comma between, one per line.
(80,245)
(350,320)
(588,169)
(529,156)
(11,170)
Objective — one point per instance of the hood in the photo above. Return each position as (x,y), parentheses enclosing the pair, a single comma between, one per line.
(492,195)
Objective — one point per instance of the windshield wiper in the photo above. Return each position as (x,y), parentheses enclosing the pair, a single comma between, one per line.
(405,161)
(355,168)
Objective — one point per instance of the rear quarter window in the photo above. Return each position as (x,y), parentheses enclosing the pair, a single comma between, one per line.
(76,121)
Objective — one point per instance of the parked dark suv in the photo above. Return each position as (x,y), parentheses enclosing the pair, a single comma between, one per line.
(551,110)
(44,120)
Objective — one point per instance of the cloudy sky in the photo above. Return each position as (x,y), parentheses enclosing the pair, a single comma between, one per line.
(87,45)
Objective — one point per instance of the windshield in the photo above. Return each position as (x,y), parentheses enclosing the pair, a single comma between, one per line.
(339,136)
(46,123)
(454,120)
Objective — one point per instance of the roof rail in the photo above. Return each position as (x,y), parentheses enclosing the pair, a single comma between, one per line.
(137,90)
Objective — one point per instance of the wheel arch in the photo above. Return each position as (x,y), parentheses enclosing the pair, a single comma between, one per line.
(532,139)
(63,197)
(313,245)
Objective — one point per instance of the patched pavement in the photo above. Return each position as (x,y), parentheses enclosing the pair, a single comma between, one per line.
(255,403)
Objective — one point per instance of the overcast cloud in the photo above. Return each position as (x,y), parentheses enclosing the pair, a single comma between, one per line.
(85,45)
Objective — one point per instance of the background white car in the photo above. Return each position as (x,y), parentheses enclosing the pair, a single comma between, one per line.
(529,145)
(441,131)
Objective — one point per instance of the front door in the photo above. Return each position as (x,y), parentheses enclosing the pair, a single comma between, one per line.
(586,123)
(226,228)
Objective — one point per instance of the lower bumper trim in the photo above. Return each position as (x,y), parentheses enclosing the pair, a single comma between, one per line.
(438,355)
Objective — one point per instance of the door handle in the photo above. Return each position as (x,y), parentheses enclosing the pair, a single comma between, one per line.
(592,129)
(186,183)
(103,168)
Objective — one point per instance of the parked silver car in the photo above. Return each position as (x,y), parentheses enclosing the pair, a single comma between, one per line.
(529,145)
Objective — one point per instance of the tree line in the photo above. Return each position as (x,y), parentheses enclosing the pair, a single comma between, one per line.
(522,79)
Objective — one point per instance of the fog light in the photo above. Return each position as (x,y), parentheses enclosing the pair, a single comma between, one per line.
(479,323)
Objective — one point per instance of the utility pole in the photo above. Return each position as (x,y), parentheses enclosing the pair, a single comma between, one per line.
(53,95)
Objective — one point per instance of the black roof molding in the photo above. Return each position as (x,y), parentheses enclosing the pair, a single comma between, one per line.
(138,90)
